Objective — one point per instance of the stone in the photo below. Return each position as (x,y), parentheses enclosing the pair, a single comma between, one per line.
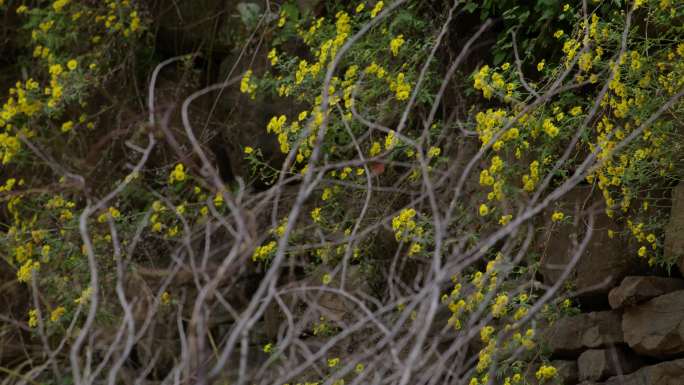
(604,262)
(568,373)
(664,373)
(674,231)
(634,290)
(569,336)
(598,364)
(656,327)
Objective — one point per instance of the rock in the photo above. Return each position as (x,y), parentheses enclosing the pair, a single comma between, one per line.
(634,290)
(567,371)
(570,335)
(665,373)
(674,231)
(656,328)
(604,262)
(597,364)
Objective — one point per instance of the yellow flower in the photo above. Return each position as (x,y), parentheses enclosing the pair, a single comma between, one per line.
(59,4)
(246,85)
(545,372)
(57,313)
(282,19)
(540,65)
(642,251)
(218,199)
(326,279)
(67,126)
(378,7)
(26,270)
(484,210)
(56,70)
(375,149)
(22,9)
(333,362)
(505,219)
(114,212)
(395,44)
(390,140)
(165,298)
(415,248)
(268,348)
(178,173)
(273,57)
(72,64)
(499,307)
(434,151)
(557,216)
(558,34)
(360,7)
(359,368)
(33,318)
(249,150)
(316,215)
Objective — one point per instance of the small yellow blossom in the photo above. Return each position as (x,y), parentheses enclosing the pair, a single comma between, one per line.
(545,372)
(434,151)
(316,215)
(484,210)
(378,7)
(273,56)
(505,219)
(72,64)
(540,65)
(57,313)
(67,126)
(395,44)
(33,318)
(557,216)
(178,174)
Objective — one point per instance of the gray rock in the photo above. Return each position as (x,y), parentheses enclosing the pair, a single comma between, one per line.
(570,335)
(665,373)
(674,231)
(656,328)
(634,290)
(567,371)
(604,262)
(598,364)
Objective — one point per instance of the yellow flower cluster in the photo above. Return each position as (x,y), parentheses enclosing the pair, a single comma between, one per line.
(26,270)
(530,180)
(404,224)
(177,174)
(545,372)
(262,253)
(396,43)
(400,87)
(247,86)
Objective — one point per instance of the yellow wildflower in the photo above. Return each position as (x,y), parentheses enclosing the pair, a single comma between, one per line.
(57,313)
(378,7)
